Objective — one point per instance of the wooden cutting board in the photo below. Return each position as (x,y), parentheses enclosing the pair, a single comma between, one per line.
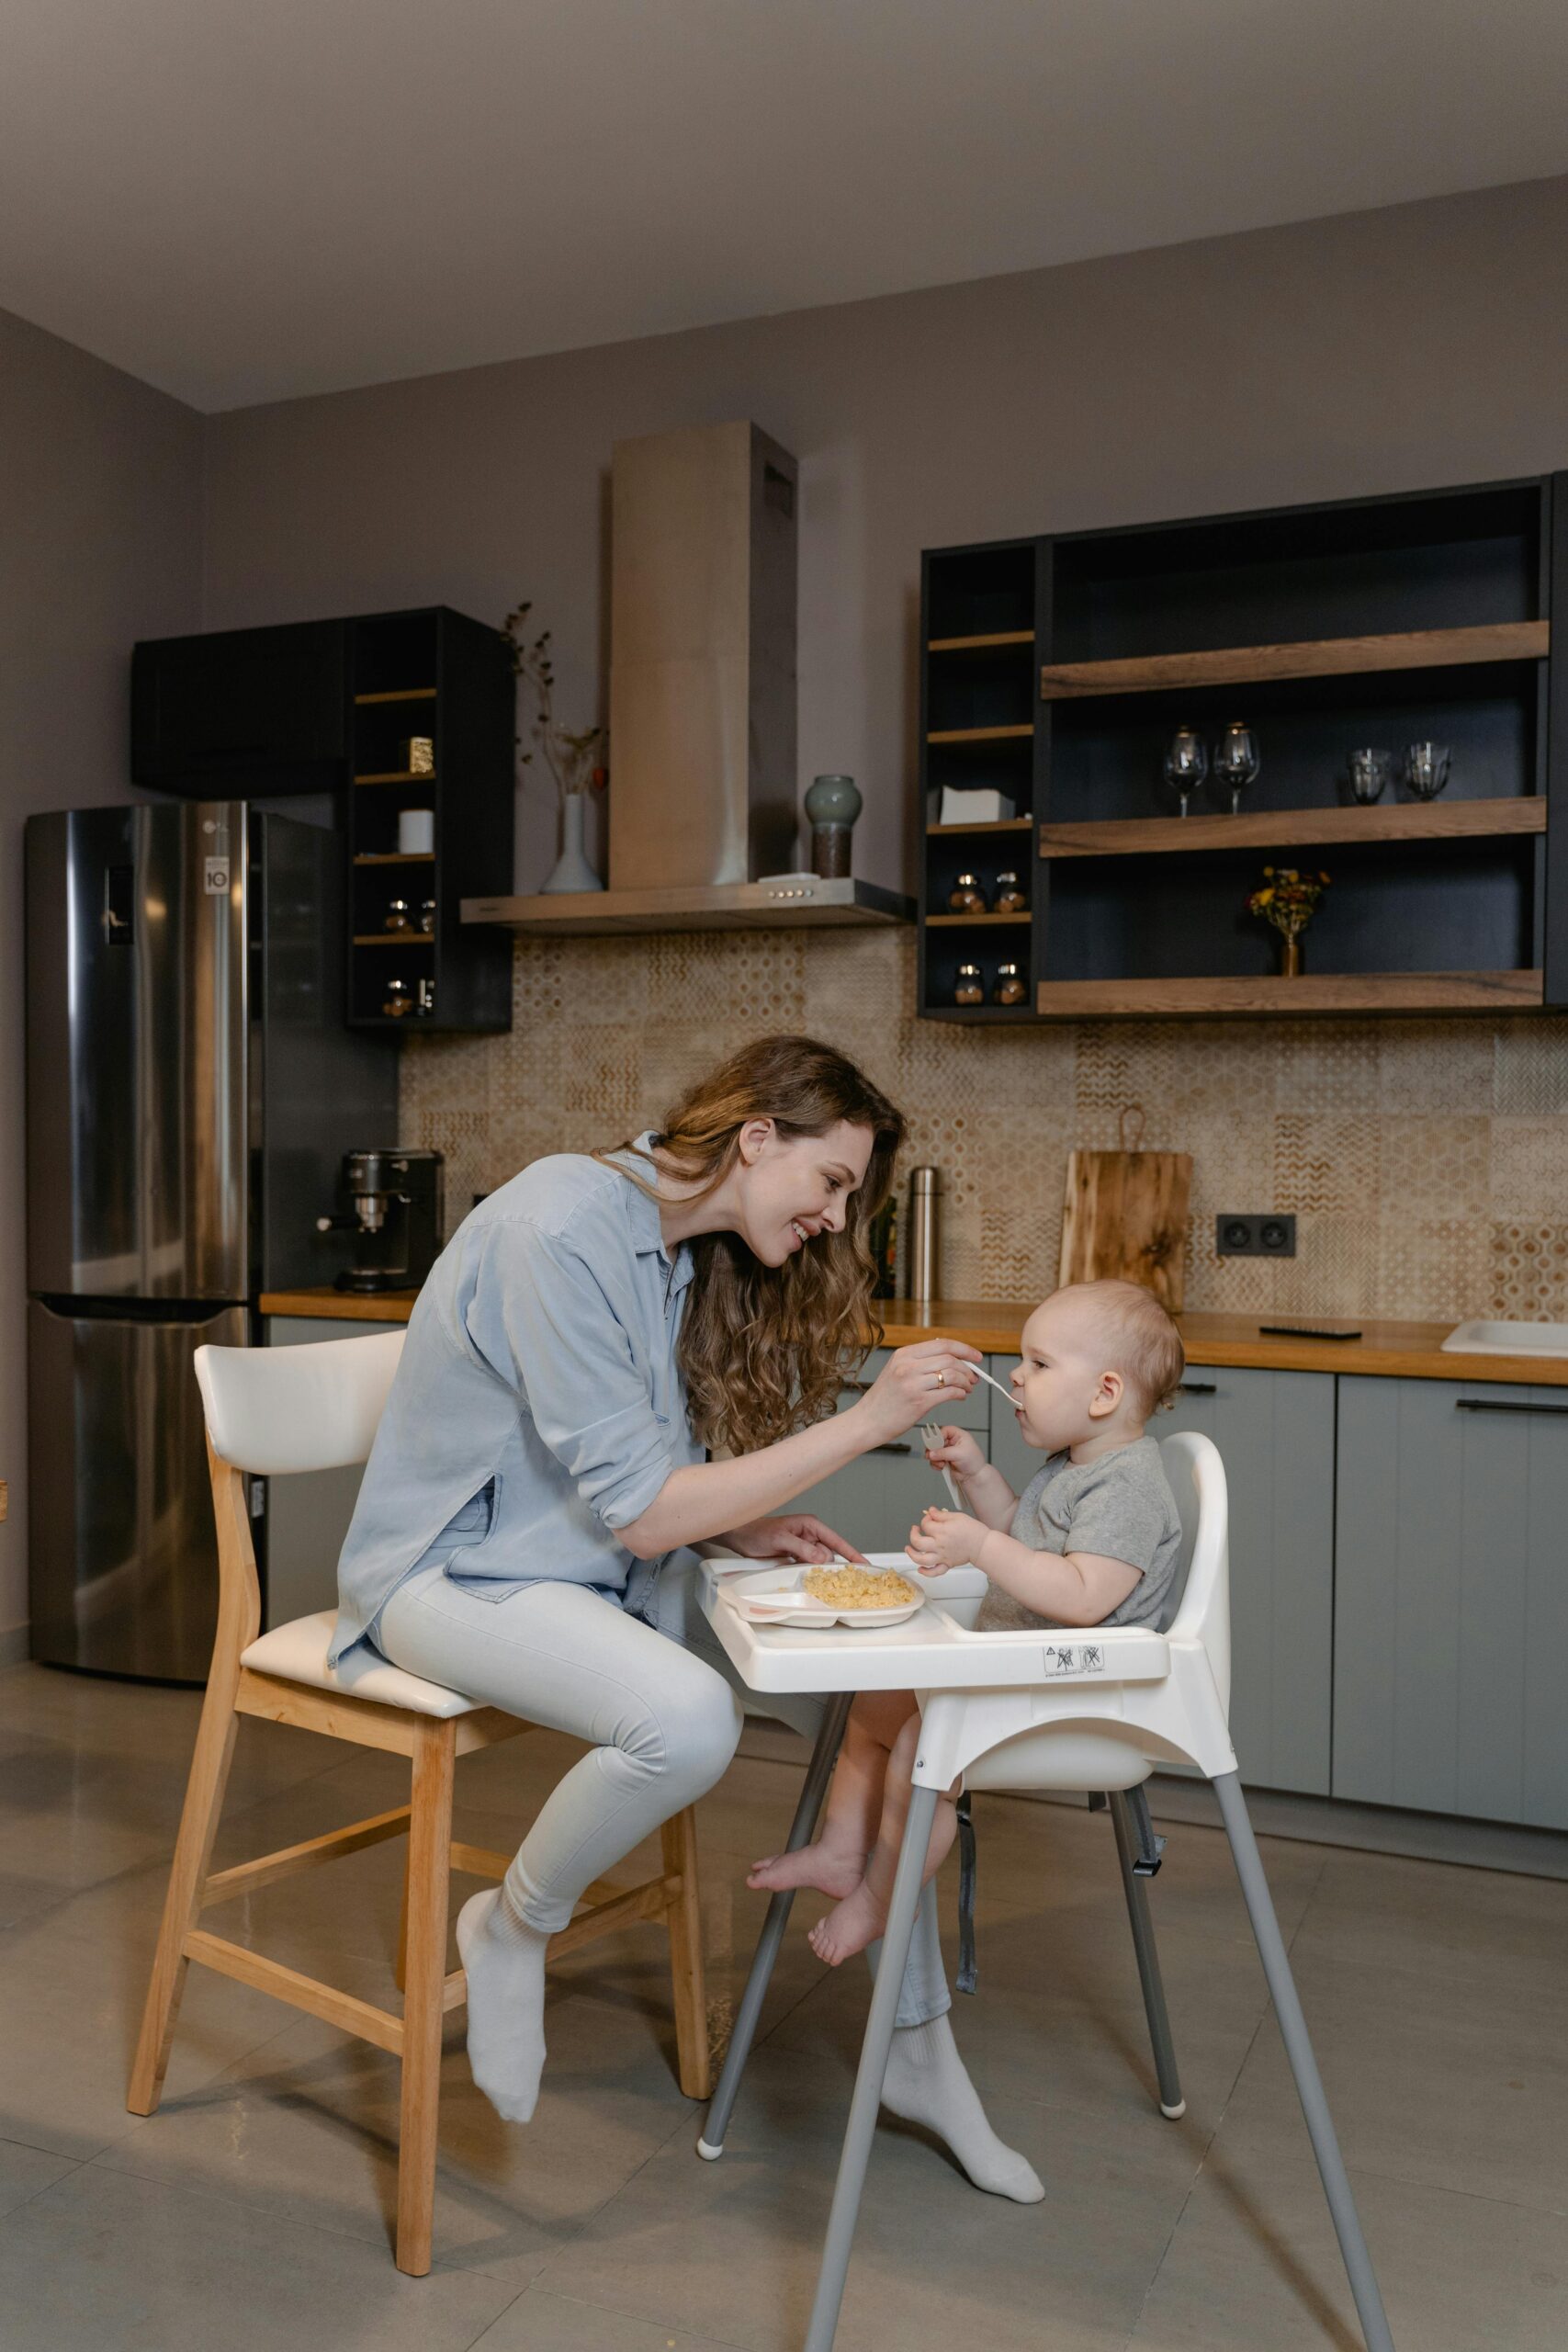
(1124,1214)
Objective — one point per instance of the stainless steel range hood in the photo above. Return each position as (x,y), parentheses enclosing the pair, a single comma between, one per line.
(702,817)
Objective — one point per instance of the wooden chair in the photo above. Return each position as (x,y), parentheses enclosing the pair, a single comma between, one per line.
(271,1411)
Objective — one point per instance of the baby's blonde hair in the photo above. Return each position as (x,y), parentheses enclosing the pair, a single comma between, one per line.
(1147,1347)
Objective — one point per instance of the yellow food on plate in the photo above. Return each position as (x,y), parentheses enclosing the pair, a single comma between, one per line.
(859,1588)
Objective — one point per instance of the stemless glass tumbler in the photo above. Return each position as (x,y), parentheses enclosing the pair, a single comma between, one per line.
(1426,769)
(1371,772)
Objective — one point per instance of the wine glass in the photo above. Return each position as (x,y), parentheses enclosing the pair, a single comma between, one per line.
(1236,762)
(1186,763)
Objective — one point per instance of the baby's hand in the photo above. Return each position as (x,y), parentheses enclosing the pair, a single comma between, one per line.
(959,1452)
(944,1539)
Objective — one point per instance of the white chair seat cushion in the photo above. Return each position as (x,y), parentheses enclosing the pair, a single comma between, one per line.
(297,1653)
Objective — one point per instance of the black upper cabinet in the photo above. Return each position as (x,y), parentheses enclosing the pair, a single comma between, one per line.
(241,712)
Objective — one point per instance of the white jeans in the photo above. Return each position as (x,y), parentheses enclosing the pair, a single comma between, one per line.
(655,1697)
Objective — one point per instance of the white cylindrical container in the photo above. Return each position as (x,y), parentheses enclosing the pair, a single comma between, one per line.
(416,832)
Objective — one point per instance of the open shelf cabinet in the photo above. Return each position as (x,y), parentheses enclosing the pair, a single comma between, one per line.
(1055,672)
(438,675)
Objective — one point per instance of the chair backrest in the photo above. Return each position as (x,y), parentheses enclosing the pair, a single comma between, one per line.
(274,1410)
(1196,1478)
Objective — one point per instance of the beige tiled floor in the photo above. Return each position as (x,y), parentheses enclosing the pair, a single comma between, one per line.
(253,2211)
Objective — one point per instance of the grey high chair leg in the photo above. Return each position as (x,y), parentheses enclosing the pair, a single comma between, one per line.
(873,2071)
(1304,2065)
(803,1830)
(1171,2102)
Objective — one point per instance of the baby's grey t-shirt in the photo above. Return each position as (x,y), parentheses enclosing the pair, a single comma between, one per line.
(1119,1505)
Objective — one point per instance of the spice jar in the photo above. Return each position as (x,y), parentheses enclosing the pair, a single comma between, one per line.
(1009,900)
(427,915)
(966,898)
(970,990)
(1008,989)
(398,916)
(396,1000)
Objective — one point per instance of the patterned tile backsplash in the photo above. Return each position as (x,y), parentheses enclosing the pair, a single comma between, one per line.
(1427,1161)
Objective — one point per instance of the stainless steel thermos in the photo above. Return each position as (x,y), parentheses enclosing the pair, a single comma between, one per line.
(925,1232)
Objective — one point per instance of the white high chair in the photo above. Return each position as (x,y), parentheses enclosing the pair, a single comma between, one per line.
(1098,1710)
(270,1411)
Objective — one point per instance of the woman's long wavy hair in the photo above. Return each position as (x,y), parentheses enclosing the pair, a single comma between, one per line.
(765,1350)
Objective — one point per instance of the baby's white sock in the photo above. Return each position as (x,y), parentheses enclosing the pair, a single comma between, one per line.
(503,1958)
(927,2084)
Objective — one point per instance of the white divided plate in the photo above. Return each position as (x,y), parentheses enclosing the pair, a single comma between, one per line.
(775,1597)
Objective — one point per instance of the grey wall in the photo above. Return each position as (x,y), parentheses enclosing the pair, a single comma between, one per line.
(1375,352)
(100,543)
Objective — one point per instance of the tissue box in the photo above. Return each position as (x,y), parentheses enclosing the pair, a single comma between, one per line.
(974,808)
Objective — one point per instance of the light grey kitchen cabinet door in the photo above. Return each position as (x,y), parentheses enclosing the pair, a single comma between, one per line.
(1451,1607)
(876,1499)
(1275,1433)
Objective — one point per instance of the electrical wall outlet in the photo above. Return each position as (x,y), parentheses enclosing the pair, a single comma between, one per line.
(1254,1237)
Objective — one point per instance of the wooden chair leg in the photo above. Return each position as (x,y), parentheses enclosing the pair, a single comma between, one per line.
(187,1876)
(683,1918)
(400,1966)
(430,1854)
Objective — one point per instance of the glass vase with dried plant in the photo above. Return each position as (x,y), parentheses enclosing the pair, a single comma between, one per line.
(573,759)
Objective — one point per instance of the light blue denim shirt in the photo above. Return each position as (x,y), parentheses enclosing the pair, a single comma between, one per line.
(537,1407)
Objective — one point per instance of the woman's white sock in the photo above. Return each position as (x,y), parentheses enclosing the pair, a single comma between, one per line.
(503,1958)
(927,2083)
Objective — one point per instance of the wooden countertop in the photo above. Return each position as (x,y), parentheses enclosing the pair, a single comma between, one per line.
(1410,1351)
(342,1305)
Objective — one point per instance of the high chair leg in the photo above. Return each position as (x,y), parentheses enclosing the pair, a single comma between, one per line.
(203,1806)
(873,2072)
(818,1772)
(430,1856)
(1135,1889)
(1304,2065)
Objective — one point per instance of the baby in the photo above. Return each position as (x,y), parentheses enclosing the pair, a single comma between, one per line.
(1095,1539)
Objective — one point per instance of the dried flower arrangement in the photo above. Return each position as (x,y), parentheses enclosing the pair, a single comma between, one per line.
(569,757)
(1288,900)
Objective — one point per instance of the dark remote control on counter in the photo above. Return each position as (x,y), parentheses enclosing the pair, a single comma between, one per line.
(1309,1331)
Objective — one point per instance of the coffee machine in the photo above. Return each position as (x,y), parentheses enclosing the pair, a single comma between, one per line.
(395,1212)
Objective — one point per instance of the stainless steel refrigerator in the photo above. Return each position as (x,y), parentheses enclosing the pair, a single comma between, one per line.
(191,1091)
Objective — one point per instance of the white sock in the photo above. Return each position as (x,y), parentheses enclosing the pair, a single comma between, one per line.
(503,1958)
(927,2084)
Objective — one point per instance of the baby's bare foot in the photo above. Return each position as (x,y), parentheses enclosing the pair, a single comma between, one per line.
(823,1867)
(849,1927)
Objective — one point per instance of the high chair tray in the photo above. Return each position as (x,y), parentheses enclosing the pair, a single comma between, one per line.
(933,1650)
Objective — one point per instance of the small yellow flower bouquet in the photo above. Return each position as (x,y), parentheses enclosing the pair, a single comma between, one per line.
(1288,900)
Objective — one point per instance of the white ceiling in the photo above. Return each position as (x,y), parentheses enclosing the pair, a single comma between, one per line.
(245,200)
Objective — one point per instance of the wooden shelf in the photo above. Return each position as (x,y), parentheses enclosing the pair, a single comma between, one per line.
(979,644)
(981,734)
(396,857)
(1269,996)
(394,939)
(1292,828)
(966,923)
(397,775)
(995,825)
(403,694)
(1247,665)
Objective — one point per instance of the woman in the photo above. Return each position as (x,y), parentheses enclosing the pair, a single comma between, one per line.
(590,1334)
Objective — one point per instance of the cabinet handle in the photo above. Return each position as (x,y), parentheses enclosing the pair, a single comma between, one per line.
(1198,1388)
(892,1449)
(1487,1405)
